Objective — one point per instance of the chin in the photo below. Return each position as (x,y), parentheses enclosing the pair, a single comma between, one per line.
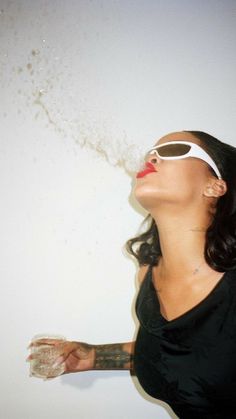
(152,199)
(147,200)
(143,191)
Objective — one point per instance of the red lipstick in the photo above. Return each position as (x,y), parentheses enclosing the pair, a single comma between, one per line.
(149,169)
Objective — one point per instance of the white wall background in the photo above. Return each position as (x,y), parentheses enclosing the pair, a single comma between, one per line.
(104,74)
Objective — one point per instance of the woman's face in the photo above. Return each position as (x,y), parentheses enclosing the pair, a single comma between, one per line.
(179,182)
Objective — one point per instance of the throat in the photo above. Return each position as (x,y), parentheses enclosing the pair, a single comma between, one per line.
(163,279)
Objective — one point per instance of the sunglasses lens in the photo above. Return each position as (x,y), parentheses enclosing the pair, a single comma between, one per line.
(173,150)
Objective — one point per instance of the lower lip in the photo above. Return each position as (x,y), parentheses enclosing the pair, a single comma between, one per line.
(144,173)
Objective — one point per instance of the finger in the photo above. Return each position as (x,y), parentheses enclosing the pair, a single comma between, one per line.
(59,361)
(32,357)
(63,354)
(37,356)
(39,342)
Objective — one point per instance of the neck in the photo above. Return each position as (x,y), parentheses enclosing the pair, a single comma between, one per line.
(182,242)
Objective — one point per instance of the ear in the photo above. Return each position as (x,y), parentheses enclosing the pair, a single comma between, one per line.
(215,188)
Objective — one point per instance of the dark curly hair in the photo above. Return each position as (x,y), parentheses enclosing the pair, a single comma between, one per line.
(220,245)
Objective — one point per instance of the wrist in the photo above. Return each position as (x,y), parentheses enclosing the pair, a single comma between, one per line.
(85,352)
(113,356)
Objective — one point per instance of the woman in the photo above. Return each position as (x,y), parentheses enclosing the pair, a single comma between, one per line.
(185,351)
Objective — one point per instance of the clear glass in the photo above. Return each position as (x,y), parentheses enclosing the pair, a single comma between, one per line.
(45,356)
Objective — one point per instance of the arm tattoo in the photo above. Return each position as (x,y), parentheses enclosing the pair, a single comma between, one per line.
(112,356)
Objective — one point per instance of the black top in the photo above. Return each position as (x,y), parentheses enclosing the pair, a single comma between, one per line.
(190,362)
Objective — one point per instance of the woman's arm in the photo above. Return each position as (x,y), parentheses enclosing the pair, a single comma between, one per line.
(81,356)
(113,356)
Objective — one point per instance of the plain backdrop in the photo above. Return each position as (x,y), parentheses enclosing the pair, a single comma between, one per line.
(81,81)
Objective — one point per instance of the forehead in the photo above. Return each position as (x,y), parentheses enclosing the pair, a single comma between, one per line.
(178,136)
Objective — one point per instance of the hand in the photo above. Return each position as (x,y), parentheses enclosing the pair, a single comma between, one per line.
(77,356)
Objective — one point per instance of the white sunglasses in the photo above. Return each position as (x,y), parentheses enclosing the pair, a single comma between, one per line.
(175,150)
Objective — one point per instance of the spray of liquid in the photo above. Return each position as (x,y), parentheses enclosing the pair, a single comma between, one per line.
(95,135)
(102,134)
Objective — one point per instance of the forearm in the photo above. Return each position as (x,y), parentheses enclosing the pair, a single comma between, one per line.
(114,356)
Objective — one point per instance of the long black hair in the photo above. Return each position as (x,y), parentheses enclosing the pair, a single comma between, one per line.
(220,244)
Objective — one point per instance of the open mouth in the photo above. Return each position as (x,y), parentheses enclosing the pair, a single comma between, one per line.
(149,169)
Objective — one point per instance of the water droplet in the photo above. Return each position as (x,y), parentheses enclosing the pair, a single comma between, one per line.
(35,52)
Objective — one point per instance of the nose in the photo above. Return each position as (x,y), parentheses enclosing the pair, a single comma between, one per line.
(153,158)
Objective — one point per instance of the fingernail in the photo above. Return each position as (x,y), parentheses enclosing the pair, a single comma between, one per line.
(58,362)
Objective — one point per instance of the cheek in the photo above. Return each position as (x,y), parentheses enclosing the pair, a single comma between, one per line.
(182,183)
(174,176)
(180,174)
(172,183)
(176,187)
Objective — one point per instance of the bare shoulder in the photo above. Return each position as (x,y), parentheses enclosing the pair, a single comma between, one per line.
(142,272)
